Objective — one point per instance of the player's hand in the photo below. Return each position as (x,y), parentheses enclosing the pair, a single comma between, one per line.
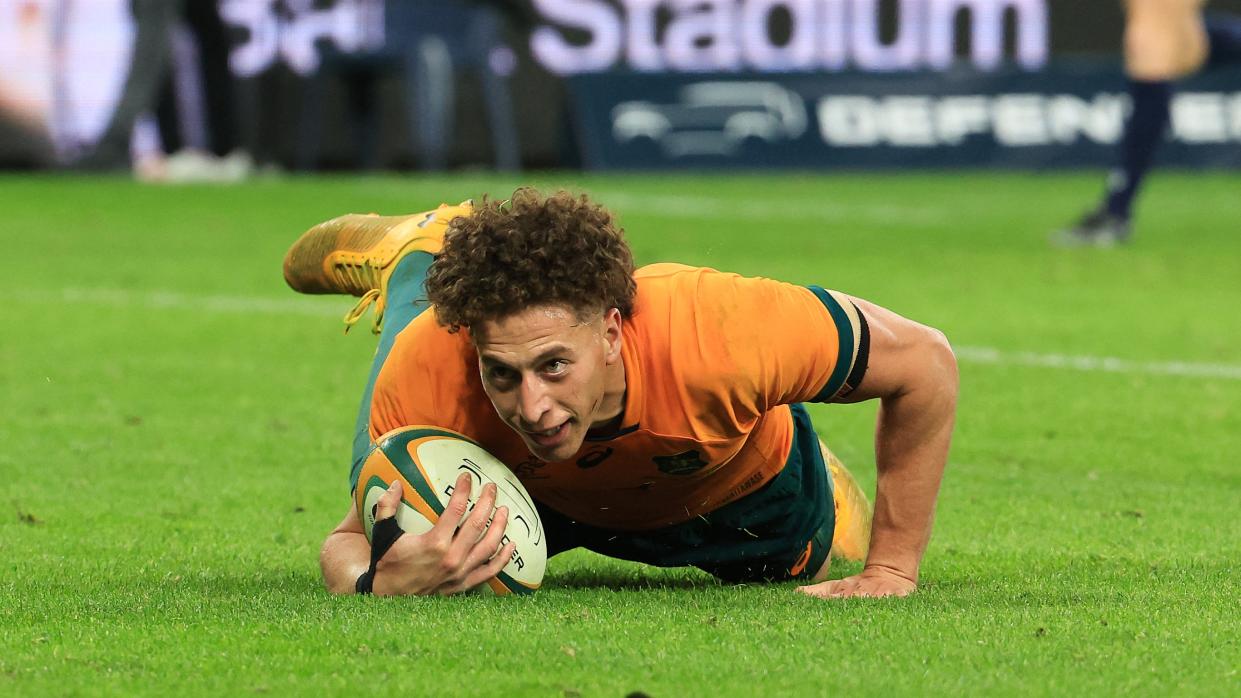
(460,551)
(873,582)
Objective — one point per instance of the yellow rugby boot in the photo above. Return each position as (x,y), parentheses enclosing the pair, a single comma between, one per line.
(355,254)
(851,539)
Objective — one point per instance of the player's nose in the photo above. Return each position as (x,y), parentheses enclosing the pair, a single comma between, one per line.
(532,402)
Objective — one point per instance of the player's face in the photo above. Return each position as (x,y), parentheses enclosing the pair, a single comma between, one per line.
(552,375)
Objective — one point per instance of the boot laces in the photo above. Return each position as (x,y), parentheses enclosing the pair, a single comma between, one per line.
(357,278)
(362,279)
(373,296)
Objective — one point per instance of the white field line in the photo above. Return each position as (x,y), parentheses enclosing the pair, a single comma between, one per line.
(724,208)
(172,300)
(300,305)
(1098,364)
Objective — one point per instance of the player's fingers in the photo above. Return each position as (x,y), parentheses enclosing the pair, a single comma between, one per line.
(837,588)
(386,506)
(847,587)
(454,511)
(811,591)
(475,525)
(492,568)
(820,590)
(486,547)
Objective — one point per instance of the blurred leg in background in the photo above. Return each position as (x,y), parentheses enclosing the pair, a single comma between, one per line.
(444,43)
(1165,40)
(153,21)
(360,74)
(176,119)
(202,17)
(427,45)
(198,134)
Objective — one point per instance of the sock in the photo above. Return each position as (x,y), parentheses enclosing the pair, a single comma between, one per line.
(1143,134)
(405,302)
(1223,38)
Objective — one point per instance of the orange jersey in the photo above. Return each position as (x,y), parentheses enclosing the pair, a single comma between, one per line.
(712,361)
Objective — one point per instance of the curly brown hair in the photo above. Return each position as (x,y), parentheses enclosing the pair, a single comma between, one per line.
(531,250)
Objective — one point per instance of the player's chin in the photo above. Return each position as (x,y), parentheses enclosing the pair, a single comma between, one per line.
(556,455)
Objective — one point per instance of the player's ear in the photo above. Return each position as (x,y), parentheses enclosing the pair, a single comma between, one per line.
(612,322)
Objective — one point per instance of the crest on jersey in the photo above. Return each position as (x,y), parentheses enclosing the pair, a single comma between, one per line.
(680,463)
(594,458)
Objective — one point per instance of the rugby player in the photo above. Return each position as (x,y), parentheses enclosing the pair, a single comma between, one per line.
(654,414)
(1165,40)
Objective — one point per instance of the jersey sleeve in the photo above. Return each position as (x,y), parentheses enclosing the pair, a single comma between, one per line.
(774,343)
(853,351)
(423,379)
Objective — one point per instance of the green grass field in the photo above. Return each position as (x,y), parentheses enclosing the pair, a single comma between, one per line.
(175,427)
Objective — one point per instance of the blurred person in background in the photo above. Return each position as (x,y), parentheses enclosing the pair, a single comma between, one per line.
(443,38)
(175,119)
(24,103)
(61,67)
(23,131)
(1165,40)
(196,112)
(430,45)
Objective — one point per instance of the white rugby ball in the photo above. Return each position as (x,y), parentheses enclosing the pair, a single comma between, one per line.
(428,460)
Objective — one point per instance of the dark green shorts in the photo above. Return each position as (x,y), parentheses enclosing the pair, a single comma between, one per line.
(781,531)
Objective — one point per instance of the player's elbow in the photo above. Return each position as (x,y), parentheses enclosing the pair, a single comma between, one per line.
(340,568)
(941,365)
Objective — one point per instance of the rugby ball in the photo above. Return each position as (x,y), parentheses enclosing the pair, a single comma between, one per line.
(428,460)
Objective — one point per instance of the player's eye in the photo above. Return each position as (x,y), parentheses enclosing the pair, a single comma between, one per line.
(556,367)
(501,374)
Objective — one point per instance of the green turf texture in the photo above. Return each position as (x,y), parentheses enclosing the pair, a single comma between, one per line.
(175,428)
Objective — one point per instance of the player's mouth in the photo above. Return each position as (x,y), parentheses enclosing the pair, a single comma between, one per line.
(550,438)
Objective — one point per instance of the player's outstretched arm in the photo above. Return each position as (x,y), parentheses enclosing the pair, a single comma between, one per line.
(913,371)
(460,552)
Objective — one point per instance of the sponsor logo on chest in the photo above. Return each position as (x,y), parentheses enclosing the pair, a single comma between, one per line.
(683,463)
